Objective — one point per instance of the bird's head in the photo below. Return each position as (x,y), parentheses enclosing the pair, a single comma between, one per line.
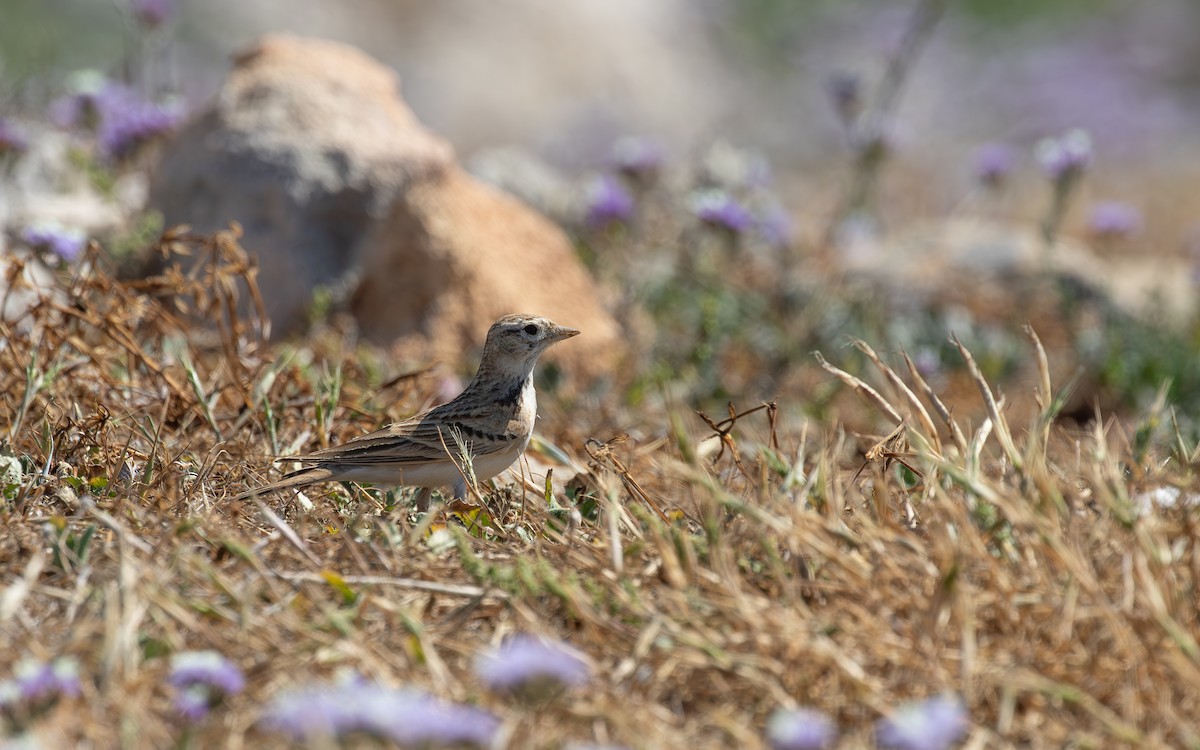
(514,342)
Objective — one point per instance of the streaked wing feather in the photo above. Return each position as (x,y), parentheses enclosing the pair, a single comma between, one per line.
(400,444)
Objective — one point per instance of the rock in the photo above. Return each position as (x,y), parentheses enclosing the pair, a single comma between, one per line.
(530,178)
(306,145)
(309,147)
(456,254)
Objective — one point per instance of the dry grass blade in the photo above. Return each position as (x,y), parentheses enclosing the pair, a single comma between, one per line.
(943,413)
(989,401)
(911,398)
(288,533)
(862,388)
(413,584)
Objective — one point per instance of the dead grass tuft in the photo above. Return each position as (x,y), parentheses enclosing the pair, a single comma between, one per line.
(713,573)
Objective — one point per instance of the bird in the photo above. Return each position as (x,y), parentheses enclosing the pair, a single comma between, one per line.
(490,422)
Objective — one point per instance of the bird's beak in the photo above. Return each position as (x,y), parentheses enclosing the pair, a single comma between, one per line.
(562,332)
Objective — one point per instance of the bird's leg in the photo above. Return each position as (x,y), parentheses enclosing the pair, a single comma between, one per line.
(423,498)
(460,489)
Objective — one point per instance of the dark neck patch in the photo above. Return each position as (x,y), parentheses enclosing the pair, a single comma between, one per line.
(510,395)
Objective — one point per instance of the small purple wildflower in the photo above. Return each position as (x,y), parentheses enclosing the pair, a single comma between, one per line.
(531,667)
(608,201)
(127,121)
(800,729)
(422,721)
(405,717)
(313,712)
(934,724)
(36,687)
(640,158)
(720,209)
(1111,219)
(38,682)
(1066,157)
(122,118)
(845,92)
(202,680)
(67,244)
(12,138)
(152,13)
(994,162)
(193,703)
(207,668)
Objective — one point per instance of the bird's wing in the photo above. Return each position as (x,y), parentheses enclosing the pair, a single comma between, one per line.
(421,439)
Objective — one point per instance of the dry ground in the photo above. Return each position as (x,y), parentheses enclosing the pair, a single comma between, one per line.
(1008,563)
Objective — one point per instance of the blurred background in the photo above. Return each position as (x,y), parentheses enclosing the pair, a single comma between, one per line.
(567,79)
(781,86)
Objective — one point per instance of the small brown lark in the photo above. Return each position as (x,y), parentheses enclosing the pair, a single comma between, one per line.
(491,421)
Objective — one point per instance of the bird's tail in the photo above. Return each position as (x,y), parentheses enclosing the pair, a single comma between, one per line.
(295,480)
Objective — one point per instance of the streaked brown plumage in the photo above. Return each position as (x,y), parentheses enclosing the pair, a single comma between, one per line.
(492,418)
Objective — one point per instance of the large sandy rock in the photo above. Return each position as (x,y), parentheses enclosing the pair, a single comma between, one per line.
(455,254)
(309,146)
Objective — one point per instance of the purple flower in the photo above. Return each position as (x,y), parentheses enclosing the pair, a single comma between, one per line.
(720,209)
(1110,219)
(1066,157)
(193,703)
(994,162)
(405,717)
(67,244)
(314,712)
(12,138)
(422,721)
(127,121)
(531,667)
(934,724)
(640,158)
(207,668)
(608,201)
(152,13)
(36,687)
(845,92)
(202,680)
(123,118)
(801,729)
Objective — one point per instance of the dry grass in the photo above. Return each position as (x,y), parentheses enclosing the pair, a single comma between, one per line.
(1005,562)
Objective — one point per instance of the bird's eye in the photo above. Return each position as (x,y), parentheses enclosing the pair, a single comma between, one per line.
(531,329)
